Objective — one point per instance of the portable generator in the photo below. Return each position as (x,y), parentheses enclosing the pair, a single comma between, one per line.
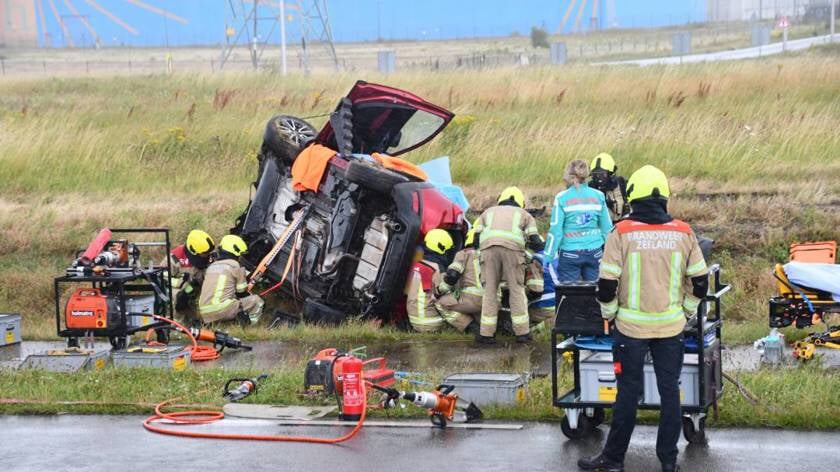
(323,373)
(115,294)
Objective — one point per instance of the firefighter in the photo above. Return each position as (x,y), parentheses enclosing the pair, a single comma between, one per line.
(652,279)
(580,222)
(504,233)
(460,290)
(224,295)
(614,187)
(189,261)
(420,304)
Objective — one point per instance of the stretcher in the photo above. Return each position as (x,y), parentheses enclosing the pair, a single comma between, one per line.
(808,292)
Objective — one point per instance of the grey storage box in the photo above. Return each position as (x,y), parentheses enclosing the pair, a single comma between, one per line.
(597,378)
(488,388)
(9,328)
(67,360)
(139,311)
(689,378)
(164,357)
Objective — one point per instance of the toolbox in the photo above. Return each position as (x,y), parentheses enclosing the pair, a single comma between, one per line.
(488,388)
(9,329)
(172,357)
(578,311)
(597,378)
(690,383)
(139,310)
(68,360)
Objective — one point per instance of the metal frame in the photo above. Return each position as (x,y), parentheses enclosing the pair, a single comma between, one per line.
(569,400)
(122,280)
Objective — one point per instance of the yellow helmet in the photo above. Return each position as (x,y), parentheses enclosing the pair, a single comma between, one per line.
(233,244)
(439,241)
(515,194)
(468,241)
(199,242)
(603,161)
(647,182)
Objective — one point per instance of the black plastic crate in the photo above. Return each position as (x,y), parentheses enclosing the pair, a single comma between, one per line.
(578,311)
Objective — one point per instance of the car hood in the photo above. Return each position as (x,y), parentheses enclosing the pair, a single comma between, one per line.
(387,120)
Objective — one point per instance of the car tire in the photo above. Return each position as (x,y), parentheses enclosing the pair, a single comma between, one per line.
(285,136)
(318,312)
(372,177)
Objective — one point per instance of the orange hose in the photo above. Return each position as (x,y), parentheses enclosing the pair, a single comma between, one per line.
(197,353)
(209,416)
(202,353)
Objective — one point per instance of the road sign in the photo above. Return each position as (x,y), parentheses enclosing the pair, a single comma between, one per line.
(783,23)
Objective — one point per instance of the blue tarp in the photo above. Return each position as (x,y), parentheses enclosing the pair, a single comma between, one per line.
(441,177)
(824,277)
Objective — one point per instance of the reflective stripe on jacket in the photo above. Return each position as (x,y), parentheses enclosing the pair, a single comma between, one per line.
(222,281)
(654,265)
(505,225)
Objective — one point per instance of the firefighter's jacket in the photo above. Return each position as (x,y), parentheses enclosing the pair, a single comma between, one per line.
(222,281)
(653,264)
(505,225)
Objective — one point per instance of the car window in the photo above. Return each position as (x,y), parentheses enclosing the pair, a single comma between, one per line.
(417,129)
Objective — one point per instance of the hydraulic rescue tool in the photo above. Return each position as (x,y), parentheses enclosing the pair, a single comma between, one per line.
(807,347)
(442,404)
(245,388)
(219,339)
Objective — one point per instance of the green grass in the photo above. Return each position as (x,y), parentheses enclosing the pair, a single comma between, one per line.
(802,399)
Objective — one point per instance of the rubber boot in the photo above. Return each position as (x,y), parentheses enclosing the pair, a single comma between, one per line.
(600,463)
(473,328)
(485,340)
(524,339)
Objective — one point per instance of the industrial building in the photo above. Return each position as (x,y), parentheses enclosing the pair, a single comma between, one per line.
(18,27)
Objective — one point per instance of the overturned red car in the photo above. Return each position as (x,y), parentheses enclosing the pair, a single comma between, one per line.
(343,214)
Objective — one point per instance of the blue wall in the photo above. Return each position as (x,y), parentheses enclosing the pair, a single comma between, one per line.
(359,20)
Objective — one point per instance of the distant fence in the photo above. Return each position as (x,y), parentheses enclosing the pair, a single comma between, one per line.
(604,46)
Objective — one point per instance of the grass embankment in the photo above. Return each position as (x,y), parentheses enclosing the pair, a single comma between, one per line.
(752,148)
(802,398)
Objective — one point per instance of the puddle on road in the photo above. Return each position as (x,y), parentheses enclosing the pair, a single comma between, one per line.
(414,356)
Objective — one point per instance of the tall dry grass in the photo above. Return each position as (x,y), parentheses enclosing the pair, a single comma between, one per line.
(753,150)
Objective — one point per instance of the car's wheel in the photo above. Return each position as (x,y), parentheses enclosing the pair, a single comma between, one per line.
(317,312)
(285,136)
(375,178)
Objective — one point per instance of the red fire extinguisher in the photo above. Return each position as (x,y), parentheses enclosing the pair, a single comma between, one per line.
(353,389)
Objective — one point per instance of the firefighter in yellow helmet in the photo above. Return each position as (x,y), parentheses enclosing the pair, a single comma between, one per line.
(652,279)
(602,171)
(460,291)
(189,261)
(420,303)
(504,233)
(224,295)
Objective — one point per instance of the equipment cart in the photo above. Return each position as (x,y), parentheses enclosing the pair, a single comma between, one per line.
(579,322)
(116,293)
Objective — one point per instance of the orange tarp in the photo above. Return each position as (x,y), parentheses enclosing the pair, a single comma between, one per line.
(309,167)
(400,165)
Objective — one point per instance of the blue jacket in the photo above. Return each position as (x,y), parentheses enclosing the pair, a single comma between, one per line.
(580,220)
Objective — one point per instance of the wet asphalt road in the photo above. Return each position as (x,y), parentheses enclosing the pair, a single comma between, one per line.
(95,443)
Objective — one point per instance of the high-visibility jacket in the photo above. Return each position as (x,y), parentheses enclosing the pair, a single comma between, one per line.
(580,220)
(420,302)
(505,225)
(654,265)
(222,281)
(466,263)
(182,269)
